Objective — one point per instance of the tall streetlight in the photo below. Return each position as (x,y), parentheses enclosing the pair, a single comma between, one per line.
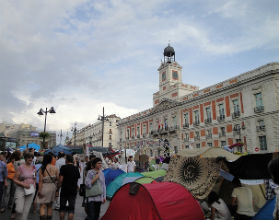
(103,118)
(42,112)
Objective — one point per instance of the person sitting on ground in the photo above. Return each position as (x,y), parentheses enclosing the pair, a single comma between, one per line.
(242,197)
(219,209)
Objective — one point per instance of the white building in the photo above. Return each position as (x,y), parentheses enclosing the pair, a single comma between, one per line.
(243,109)
(91,135)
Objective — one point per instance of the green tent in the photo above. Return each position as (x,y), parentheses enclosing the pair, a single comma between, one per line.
(155,174)
(144,180)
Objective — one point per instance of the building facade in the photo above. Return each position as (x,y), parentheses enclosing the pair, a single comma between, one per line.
(25,134)
(243,110)
(91,135)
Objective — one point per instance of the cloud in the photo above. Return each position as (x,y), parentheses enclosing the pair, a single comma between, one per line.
(79,55)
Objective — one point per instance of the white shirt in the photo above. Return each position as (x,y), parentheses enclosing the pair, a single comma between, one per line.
(244,198)
(60,162)
(131,166)
(222,211)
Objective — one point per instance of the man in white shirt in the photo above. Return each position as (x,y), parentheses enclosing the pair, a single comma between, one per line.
(131,165)
(59,163)
(61,160)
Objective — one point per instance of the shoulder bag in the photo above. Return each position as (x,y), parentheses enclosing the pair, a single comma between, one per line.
(95,190)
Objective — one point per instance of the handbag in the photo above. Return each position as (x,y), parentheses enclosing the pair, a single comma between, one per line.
(82,189)
(95,190)
(29,191)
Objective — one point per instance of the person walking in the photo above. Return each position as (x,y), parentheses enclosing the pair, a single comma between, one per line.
(25,180)
(3,176)
(68,178)
(219,209)
(59,163)
(242,197)
(93,203)
(273,168)
(131,165)
(10,188)
(47,187)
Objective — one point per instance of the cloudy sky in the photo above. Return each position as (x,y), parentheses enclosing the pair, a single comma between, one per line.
(80,55)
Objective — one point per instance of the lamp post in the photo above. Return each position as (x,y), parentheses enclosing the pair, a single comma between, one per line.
(103,118)
(42,112)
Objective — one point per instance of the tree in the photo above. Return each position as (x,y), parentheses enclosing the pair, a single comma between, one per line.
(44,135)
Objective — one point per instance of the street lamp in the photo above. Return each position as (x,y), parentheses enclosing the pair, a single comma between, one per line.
(42,112)
(103,118)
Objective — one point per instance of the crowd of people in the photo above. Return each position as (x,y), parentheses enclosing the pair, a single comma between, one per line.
(28,179)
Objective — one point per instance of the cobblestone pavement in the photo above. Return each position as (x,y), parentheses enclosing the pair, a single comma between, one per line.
(79,212)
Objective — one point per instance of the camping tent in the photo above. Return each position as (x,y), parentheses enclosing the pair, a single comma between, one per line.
(144,180)
(266,212)
(31,145)
(153,201)
(111,174)
(120,181)
(155,174)
(59,148)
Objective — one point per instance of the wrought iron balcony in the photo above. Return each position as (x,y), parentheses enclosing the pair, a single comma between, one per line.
(186,125)
(259,109)
(236,114)
(221,118)
(260,128)
(236,132)
(208,136)
(208,121)
(197,138)
(222,134)
(196,123)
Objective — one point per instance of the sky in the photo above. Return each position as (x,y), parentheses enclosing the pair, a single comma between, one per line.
(81,55)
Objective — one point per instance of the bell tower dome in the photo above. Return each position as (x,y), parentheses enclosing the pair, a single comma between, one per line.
(169,54)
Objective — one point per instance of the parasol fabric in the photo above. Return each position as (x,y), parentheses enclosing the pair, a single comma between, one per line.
(198,175)
(252,166)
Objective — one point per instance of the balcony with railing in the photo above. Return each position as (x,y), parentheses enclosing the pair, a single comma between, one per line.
(186,125)
(222,134)
(236,114)
(236,132)
(197,138)
(186,139)
(260,128)
(208,136)
(221,118)
(138,136)
(154,133)
(259,109)
(208,121)
(196,123)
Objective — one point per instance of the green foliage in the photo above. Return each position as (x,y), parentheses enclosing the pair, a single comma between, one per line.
(44,135)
